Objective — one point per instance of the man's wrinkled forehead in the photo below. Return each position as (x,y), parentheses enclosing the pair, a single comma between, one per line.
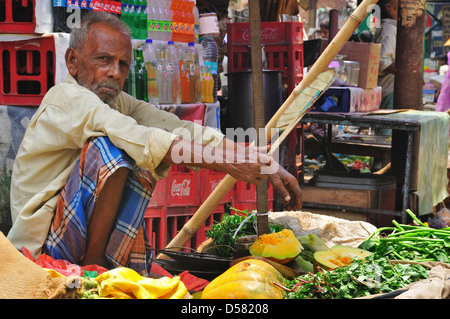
(102,36)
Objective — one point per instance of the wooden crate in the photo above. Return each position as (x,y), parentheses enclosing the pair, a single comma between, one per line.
(380,199)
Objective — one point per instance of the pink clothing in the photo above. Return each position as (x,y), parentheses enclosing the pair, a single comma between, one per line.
(443,102)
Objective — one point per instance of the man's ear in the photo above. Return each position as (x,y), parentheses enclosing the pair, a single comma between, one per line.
(71,57)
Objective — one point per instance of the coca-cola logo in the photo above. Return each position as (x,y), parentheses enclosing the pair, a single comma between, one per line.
(214,184)
(182,188)
(267,34)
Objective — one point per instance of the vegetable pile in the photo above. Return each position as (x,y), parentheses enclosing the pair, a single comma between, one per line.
(360,278)
(411,243)
(226,232)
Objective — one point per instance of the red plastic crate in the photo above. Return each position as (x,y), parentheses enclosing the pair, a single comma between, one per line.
(291,82)
(177,189)
(287,58)
(164,223)
(271,33)
(17,16)
(27,70)
(246,192)
(209,180)
(282,54)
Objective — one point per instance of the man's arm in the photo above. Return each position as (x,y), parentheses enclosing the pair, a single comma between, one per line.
(247,164)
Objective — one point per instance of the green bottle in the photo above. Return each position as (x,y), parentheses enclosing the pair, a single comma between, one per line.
(141,76)
(132,76)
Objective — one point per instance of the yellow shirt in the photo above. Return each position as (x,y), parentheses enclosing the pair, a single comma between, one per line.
(67,117)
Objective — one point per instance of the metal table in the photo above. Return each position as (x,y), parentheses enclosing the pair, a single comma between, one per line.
(374,120)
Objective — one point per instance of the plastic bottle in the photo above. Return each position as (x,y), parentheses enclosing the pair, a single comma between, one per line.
(125,16)
(172,69)
(151,65)
(138,13)
(196,15)
(194,71)
(167,79)
(160,75)
(143,20)
(169,23)
(207,85)
(156,19)
(184,26)
(210,58)
(163,20)
(190,21)
(150,20)
(131,14)
(184,77)
(175,10)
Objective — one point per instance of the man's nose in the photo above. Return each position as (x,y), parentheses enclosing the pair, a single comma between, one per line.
(114,70)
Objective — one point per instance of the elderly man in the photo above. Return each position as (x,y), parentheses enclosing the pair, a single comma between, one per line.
(92,154)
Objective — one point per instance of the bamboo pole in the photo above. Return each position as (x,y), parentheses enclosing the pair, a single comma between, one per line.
(333,48)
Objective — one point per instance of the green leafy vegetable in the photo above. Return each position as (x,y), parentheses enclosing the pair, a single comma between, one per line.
(410,243)
(360,278)
(226,232)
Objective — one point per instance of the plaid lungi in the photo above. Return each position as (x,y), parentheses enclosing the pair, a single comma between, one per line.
(128,245)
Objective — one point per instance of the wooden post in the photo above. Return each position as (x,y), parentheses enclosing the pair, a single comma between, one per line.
(262,220)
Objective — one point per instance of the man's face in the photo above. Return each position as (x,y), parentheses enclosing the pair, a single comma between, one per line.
(104,61)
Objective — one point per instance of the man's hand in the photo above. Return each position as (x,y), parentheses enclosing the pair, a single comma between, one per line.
(287,186)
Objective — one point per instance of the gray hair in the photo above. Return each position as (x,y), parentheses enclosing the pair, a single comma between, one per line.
(78,36)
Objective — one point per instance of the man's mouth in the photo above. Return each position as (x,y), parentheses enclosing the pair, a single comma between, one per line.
(107,91)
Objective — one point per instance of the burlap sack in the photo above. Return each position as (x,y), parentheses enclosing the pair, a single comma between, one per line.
(20,278)
(332,230)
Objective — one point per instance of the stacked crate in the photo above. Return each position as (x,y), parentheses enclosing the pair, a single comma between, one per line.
(27,58)
(283,45)
(178,196)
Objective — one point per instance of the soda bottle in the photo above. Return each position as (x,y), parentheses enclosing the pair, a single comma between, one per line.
(161,74)
(141,76)
(164,20)
(185,77)
(151,65)
(150,20)
(137,19)
(118,8)
(207,84)
(183,20)
(194,71)
(132,76)
(169,23)
(131,14)
(174,69)
(175,11)
(196,15)
(190,21)
(125,14)
(210,58)
(173,76)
